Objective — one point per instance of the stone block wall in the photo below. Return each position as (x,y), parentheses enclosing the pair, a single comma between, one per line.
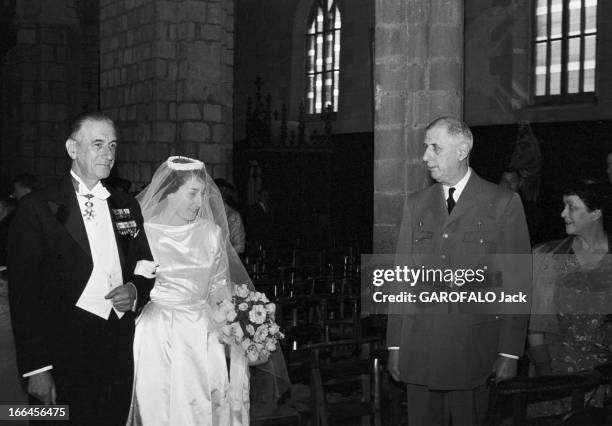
(167,79)
(418,77)
(47,79)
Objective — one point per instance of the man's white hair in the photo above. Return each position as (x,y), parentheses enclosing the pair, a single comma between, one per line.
(455,128)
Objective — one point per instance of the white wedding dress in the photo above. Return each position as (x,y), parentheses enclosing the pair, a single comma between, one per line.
(180,370)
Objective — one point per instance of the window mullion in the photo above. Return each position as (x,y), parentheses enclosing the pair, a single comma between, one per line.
(324,93)
(582,45)
(564,46)
(548,45)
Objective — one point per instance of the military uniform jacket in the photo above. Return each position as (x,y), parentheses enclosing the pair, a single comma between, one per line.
(448,349)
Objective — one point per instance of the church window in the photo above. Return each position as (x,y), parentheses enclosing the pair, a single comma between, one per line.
(565,47)
(323,57)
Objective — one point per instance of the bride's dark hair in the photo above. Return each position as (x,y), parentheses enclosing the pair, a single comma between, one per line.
(179,177)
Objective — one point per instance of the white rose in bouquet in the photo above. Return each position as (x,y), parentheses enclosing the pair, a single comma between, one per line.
(257,314)
(242,290)
(270,345)
(246,343)
(270,308)
(274,328)
(254,296)
(243,306)
(250,329)
(261,334)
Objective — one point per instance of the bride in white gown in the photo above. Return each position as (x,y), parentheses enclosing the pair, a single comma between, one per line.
(180,370)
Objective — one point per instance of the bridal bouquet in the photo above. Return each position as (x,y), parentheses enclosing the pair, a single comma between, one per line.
(248,320)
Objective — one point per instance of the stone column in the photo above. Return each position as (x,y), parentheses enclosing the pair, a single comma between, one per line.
(43,87)
(418,77)
(167,78)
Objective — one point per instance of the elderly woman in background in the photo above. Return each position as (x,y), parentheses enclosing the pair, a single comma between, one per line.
(569,331)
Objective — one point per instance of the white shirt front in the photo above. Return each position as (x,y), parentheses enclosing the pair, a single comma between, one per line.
(106,273)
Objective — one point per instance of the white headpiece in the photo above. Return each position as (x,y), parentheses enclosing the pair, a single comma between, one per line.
(176,162)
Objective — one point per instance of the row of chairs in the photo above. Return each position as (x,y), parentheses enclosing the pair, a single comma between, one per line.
(511,398)
(326,351)
(317,297)
(310,263)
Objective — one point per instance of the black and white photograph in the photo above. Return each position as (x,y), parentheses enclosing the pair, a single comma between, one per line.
(306,212)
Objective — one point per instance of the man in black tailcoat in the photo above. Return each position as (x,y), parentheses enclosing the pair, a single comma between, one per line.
(74,248)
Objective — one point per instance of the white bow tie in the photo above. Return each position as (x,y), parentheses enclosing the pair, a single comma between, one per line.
(98,191)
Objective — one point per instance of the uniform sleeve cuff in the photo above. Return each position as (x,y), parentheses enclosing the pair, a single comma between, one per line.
(508,355)
(40,370)
(393,348)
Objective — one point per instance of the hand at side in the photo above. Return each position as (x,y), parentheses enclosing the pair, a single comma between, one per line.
(393,364)
(504,368)
(42,386)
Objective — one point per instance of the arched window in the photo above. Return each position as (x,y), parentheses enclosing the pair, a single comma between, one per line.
(323,57)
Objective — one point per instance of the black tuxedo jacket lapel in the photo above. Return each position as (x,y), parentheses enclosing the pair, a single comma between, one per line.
(70,216)
(116,202)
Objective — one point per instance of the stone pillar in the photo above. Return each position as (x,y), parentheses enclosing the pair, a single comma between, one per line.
(418,77)
(43,87)
(167,78)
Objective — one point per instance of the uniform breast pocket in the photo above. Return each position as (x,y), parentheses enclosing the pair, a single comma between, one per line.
(479,242)
(422,241)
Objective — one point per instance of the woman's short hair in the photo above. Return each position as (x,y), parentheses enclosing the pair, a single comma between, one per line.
(594,193)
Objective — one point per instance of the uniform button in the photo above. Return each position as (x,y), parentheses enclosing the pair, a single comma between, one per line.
(443,256)
(445,236)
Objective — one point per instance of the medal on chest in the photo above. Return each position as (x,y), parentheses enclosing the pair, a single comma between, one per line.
(89,213)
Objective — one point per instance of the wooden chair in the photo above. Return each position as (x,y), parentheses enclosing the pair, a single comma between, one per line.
(291,417)
(341,318)
(337,367)
(272,288)
(310,262)
(520,392)
(291,281)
